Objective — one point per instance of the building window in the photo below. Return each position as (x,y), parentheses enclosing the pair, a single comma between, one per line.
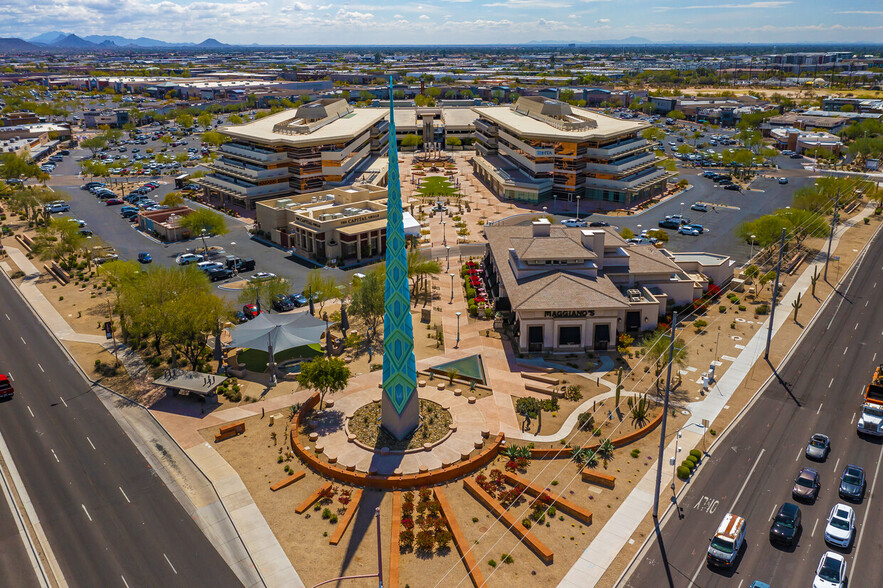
(569,335)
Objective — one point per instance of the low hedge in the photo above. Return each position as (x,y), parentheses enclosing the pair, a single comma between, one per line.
(697,454)
(683,472)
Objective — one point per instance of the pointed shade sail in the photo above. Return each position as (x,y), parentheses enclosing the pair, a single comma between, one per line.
(281,331)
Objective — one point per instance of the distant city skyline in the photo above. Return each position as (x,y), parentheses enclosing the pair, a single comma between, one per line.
(327,22)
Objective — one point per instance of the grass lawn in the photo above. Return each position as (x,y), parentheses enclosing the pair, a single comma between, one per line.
(256,360)
(435,186)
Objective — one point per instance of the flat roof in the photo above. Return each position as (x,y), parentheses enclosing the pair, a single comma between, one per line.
(529,127)
(337,131)
(360,228)
(195,382)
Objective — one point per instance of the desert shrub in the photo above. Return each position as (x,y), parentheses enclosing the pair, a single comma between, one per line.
(762,309)
(424,541)
(406,538)
(326,513)
(492,563)
(683,472)
(722,309)
(635,452)
(442,538)
(696,453)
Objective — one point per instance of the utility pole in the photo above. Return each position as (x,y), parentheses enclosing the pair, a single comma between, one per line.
(831,235)
(112,333)
(769,334)
(671,353)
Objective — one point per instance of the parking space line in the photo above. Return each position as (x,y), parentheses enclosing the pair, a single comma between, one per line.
(814,528)
(772,512)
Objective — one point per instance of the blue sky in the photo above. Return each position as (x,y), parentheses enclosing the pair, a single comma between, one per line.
(451,21)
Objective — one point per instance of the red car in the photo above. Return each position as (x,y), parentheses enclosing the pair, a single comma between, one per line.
(112,201)
(250,311)
(6,389)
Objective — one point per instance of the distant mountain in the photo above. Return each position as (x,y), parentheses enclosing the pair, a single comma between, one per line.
(212,43)
(108,44)
(125,42)
(13,45)
(50,37)
(72,42)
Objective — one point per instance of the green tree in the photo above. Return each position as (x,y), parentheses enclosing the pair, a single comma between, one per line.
(676,115)
(214,138)
(113,135)
(368,299)
(322,287)
(173,199)
(327,375)
(411,141)
(205,120)
(196,316)
(184,119)
(653,134)
(420,268)
(202,222)
(657,348)
(262,291)
(627,233)
(235,119)
(94,144)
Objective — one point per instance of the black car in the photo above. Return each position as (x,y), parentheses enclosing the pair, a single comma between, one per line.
(786,524)
(735,187)
(668,223)
(218,274)
(852,483)
(240,317)
(281,303)
(599,224)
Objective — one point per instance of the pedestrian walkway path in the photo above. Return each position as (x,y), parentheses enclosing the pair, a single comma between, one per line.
(607,544)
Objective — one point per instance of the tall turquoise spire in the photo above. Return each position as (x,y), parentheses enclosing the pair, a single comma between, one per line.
(400,413)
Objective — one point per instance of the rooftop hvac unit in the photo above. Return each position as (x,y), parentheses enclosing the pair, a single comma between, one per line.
(313,199)
(326,217)
(329,196)
(337,215)
(351,211)
(634,295)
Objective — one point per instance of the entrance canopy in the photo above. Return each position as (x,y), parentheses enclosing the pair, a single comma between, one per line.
(279,331)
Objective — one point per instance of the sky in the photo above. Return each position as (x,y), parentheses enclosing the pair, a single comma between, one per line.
(379,22)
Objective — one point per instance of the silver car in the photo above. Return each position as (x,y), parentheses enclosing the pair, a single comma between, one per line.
(818,447)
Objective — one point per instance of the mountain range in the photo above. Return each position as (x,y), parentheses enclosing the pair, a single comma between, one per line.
(61,40)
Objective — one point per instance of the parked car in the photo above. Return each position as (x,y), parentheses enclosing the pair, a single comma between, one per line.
(786,524)
(806,486)
(818,447)
(58,207)
(261,276)
(298,300)
(796,156)
(694,230)
(831,572)
(841,526)
(281,303)
(700,206)
(574,222)
(188,258)
(735,187)
(112,201)
(6,389)
(239,317)
(852,483)
(599,224)
(250,311)
(783,180)
(144,257)
(219,273)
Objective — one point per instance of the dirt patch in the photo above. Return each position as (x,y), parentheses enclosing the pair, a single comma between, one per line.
(434,423)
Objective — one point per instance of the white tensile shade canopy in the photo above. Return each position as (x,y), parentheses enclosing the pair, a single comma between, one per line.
(278,332)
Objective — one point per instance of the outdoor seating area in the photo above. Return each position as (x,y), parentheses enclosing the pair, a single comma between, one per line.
(475,277)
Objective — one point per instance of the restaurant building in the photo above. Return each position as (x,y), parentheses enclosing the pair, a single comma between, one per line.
(570,289)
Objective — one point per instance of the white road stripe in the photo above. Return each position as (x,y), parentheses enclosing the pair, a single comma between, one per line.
(170,564)
(87,512)
(861,533)
(831,382)
(124,494)
(124,581)
(30,411)
(814,528)
(748,477)
(23,340)
(90,442)
(845,350)
(856,327)
(852,420)
(799,453)
(10,376)
(837,463)
(820,408)
(772,513)
(7,317)
(55,456)
(62,401)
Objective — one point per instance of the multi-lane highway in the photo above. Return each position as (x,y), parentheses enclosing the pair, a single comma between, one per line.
(107,516)
(750,472)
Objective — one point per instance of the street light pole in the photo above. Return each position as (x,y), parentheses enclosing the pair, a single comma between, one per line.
(458,331)
(554,202)
(448,257)
(577,206)
(452,289)
(831,235)
(671,354)
(769,334)
(444,236)
(751,256)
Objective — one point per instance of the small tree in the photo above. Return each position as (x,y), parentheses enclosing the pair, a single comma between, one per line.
(173,199)
(627,233)
(324,374)
(202,222)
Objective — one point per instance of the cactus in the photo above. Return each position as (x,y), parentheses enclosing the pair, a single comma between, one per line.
(797,304)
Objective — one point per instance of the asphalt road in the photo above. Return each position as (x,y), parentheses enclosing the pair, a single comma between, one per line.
(751,472)
(15,567)
(108,517)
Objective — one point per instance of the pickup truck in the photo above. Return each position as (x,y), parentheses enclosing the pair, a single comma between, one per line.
(6,389)
(871,420)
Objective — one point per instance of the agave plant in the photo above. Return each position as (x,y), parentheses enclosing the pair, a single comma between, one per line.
(579,455)
(512,451)
(524,452)
(605,451)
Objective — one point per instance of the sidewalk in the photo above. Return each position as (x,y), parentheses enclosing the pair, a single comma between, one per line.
(602,551)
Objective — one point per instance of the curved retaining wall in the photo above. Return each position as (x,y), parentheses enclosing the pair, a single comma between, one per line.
(388,482)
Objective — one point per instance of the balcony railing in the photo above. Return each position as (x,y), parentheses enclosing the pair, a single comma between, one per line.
(252,153)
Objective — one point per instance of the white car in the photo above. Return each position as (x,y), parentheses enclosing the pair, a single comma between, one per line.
(831,572)
(261,276)
(574,222)
(58,207)
(700,206)
(841,526)
(188,258)
(693,230)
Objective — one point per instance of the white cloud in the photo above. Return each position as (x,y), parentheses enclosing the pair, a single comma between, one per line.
(603,20)
(748,5)
(424,17)
(865,12)
(528,4)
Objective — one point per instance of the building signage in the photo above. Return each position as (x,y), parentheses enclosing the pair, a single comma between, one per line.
(545,152)
(569,313)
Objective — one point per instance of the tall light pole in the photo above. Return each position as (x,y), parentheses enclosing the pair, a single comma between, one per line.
(682,209)
(671,354)
(751,256)
(577,206)
(769,334)
(448,257)
(554,202)
(452,289)
(444,236)
(458,331)
(831,235)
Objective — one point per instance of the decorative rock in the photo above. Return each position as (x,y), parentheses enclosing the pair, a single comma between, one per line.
(424,469)
(458,392)
(452,428)
(319,448)
(314,437)
(478,444)
(351,438)
(441,386)
(472,400)
(421,384)
(427,446)
(397,472)
(329,403)
(384,451)
(485,433)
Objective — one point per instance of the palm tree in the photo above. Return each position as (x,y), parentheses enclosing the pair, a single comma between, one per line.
(419,269)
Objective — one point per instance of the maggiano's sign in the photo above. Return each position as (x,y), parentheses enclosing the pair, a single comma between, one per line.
(569,313)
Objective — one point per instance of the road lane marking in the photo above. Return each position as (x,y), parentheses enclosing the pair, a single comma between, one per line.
(55,456)
(772,513)
(740,583)
(861,534)
(837,463)
(852,420)
(127,498)
(7,317)
(30,411)
(866,303)
(90,442)
(875,357)
(856,327)
(170,564)
(831,382)
(23,340)
(748,477)
(799,452)
(820,408)
(62,401)
(814,528)
(87,512)
(845,350)
(41,368)
(124,581)
(10,376)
